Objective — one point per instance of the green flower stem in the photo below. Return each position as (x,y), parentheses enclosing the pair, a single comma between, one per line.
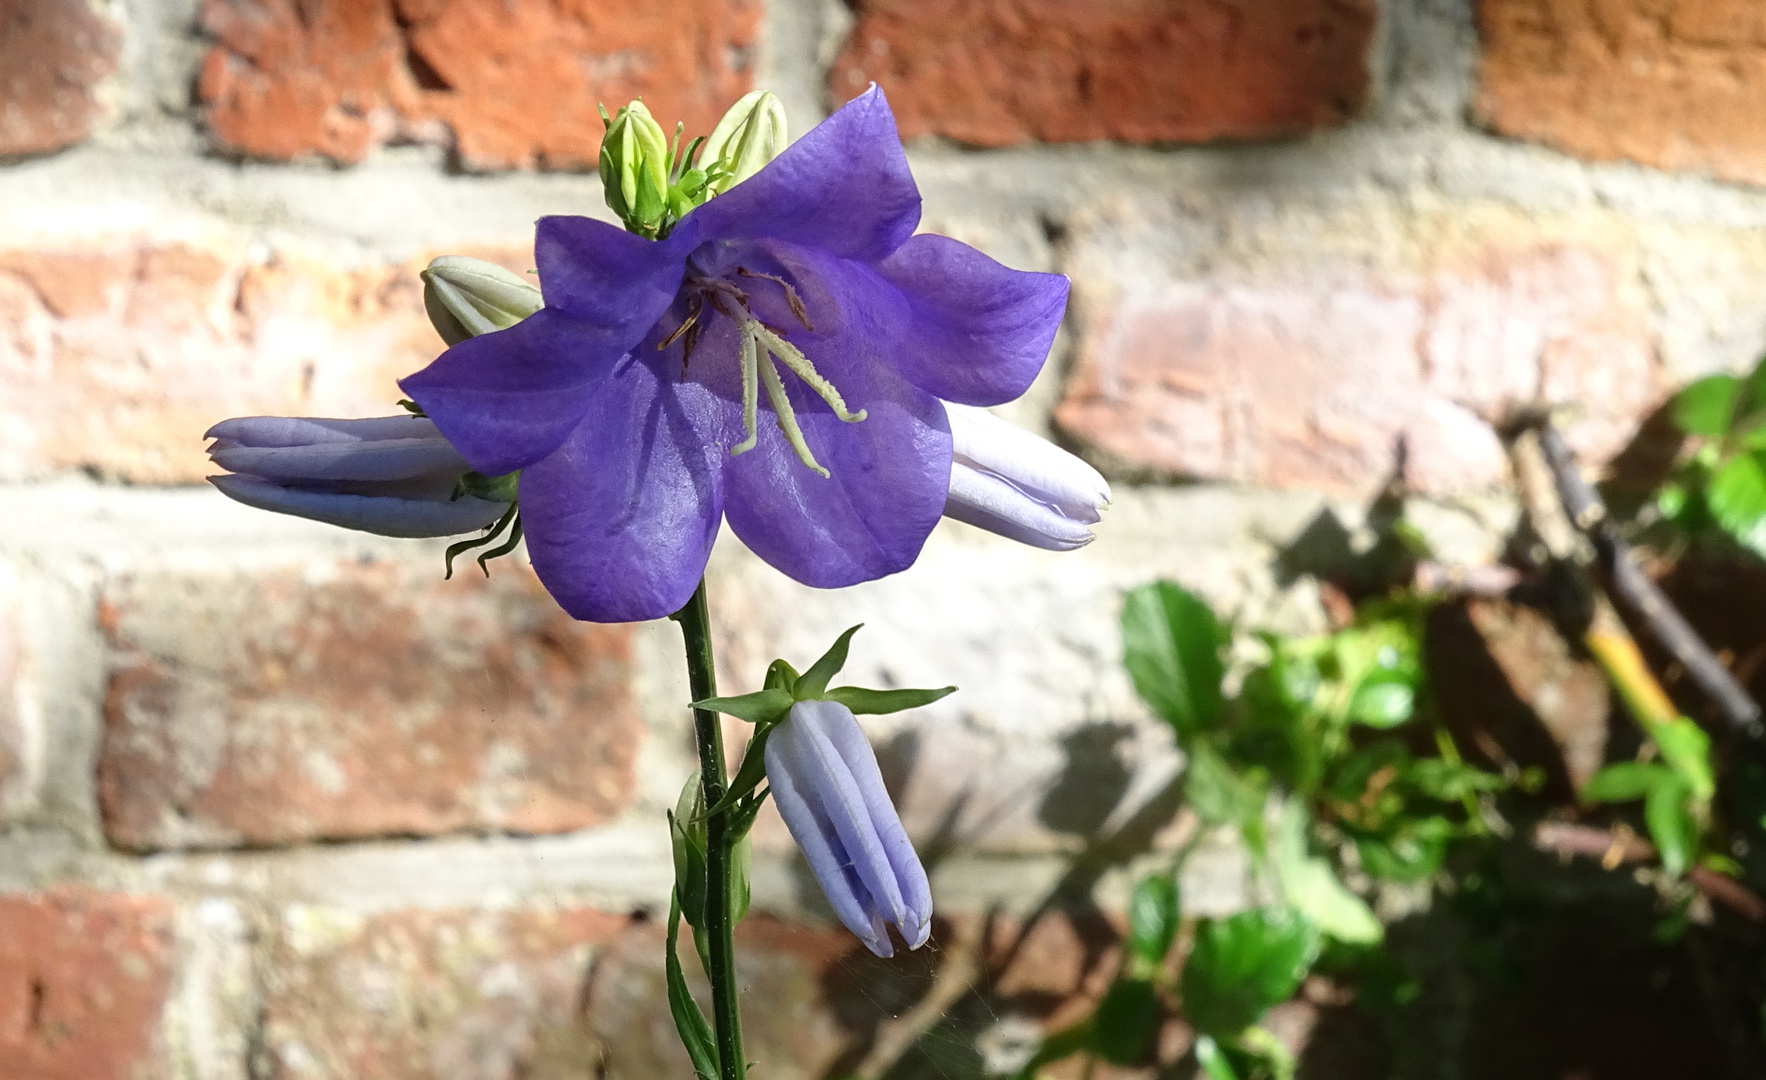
(695,623)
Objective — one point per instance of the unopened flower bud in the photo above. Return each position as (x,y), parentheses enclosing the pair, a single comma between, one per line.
(688,832)
(750,134)
(467,297)
(635,164)
(1008,481)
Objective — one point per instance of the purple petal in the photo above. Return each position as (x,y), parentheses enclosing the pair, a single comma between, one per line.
(507,399)
(836,722)
(822,769)
(978,332)
(620,519)
(985,501)
(794,794)
(383,515)
(844,188)
(600,274)
(386,459)
(315,430)
(890,474)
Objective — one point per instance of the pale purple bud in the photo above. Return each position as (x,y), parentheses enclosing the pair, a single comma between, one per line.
(391,475)
(827,786)
(1008,481)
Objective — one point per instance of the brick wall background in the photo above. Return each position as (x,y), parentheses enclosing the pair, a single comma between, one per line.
(277,801)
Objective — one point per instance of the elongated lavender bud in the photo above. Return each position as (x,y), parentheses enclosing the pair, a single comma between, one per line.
(1008,481)
(827,786)
(391,475)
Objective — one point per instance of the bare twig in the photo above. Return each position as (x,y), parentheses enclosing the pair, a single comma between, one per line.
(1613,848)
(1641,594)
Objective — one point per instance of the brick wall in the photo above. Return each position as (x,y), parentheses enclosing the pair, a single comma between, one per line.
(279,802)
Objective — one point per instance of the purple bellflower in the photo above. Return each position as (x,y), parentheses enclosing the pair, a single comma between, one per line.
(391,475)
(631,402)
(827,786)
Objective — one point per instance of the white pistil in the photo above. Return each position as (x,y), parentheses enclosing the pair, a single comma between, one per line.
(750,394)
(787,417)
(759,346)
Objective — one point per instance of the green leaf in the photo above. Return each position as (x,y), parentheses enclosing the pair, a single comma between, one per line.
(1125,1026)
(1671,825)
(1213,1059)
(1385,699)
(1687,750)
(1624,781)
(873,702)
(1217,794)
(1411,855)
(1171,647)
(695,1033)
(781,676)
(1750,399)
(1152,922)
(1737,501)
(814,682)
(1244,965)
(760,707)
(1705,407)
(1313,889)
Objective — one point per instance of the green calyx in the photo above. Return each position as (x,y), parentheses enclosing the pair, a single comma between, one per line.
(652,182)
(770,706)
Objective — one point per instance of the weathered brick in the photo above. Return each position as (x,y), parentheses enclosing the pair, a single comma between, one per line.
(995,73)
(53,55)
(20,723)
(1311,370)
(357,700)
(1669,83)
(118,354)
(84,977)
(505,83)
(549,995)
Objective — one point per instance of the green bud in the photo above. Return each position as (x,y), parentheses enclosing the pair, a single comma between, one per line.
(688,833)
(467,297)
(686,828)
(635,164)
(751,134)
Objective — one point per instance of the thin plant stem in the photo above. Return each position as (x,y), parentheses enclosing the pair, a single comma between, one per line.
(695,623)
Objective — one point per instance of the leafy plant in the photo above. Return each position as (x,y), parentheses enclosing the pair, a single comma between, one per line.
(1721,487)
(1310,764)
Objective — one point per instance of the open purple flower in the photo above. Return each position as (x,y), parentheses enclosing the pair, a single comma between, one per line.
(632,401)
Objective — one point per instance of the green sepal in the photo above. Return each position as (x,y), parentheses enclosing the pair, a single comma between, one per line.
(695,1033)
(761,707)
(813,683)
(749,776)
(781,676)
(878,702)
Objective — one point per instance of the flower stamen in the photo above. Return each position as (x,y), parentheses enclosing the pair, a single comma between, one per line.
(750,394)
(797,309)
(801,366)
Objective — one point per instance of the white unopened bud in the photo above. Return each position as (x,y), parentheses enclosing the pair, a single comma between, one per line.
(467,297)
(1008,481)
(750,134)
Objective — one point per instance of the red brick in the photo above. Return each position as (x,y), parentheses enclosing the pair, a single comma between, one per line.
(84,977)
(53,55)
(547,995)
(1669,83)
(118,354)
(506,83)
(1001,72)
(1312,376)
(358,700)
